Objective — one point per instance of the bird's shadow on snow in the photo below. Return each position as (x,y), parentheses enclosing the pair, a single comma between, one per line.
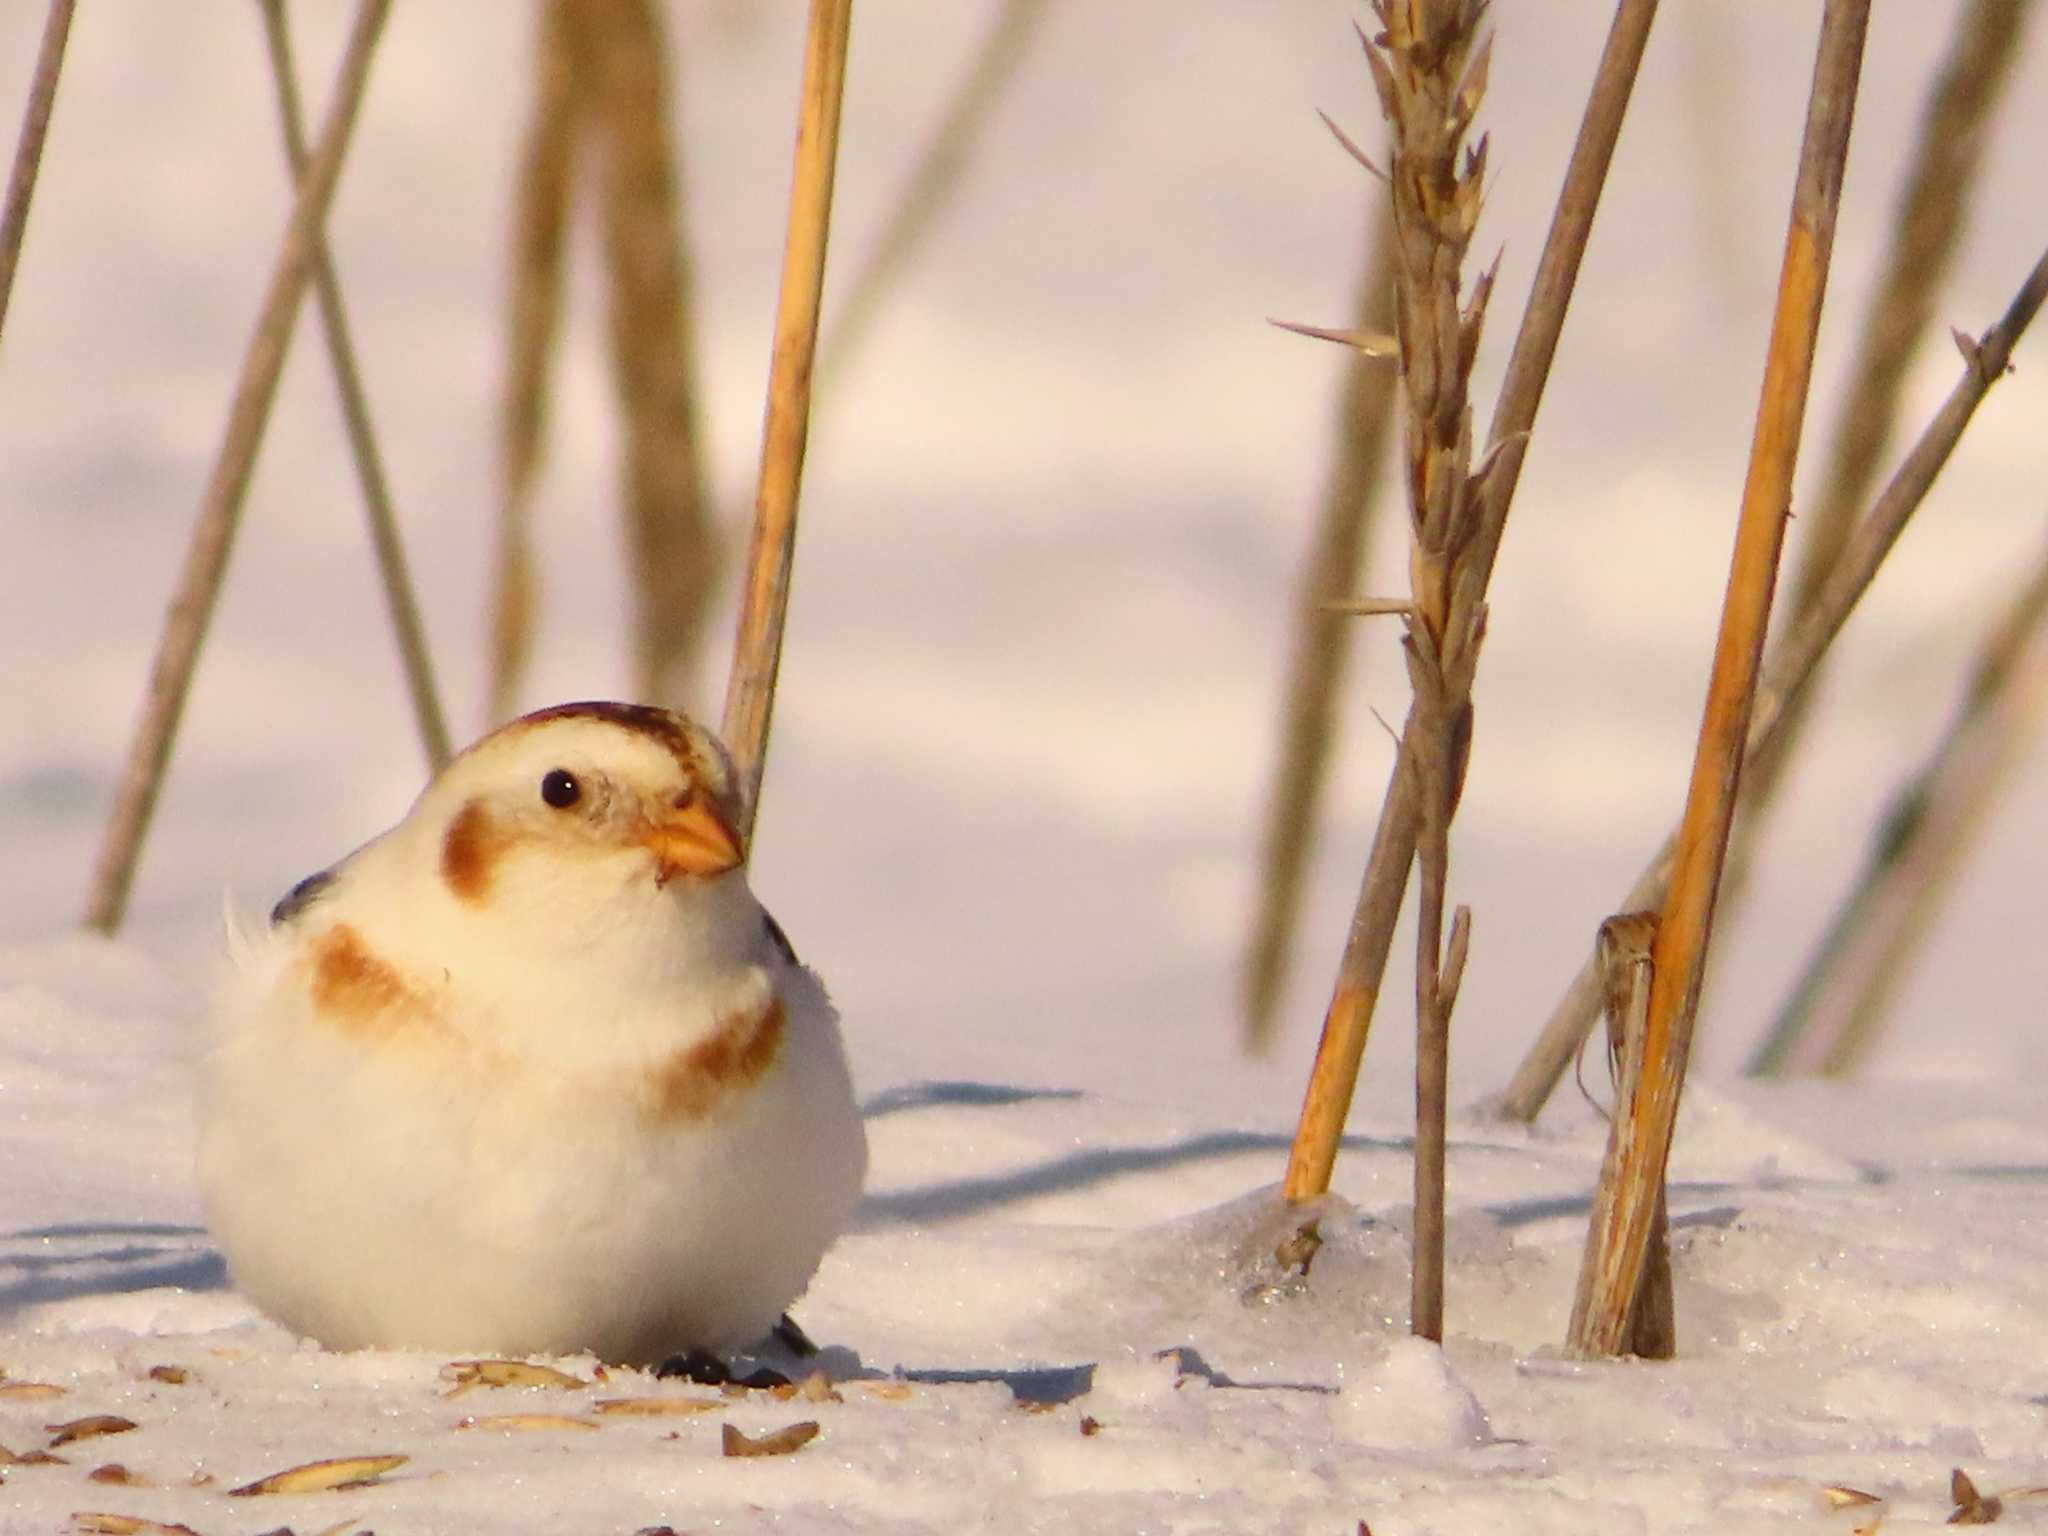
(70,1259)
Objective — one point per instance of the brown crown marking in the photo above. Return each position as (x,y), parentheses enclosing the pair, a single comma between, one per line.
(664,727)
(470,850)
(691,1083)
(359,993)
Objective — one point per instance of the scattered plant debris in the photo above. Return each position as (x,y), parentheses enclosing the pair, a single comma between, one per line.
(1972,1507)
(468,1375)
(654,1407)
(779,1442)
(90,1427)
(320,1476)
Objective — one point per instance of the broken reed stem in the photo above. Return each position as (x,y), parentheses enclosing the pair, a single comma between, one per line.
(1793,662)
(1322,640)
(219,511)
(935,180)
(1839,1005)
(28,148)
(1622,956)
(399,597)
(1334,1076)
(757,649)
(1620,1240)
(545,187)
(672,543)
(1932,215)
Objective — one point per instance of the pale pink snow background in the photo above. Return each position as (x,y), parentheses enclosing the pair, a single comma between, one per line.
(1052,526)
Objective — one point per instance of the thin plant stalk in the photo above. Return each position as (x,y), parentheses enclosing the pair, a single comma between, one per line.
(935,180)
(1932,216)
(672,543)
(757,649)
(1346,1021)
(1838,1007)
(545,184)
(399,597)
(28,148)
(214,529)
(1618,1244)
(1792,664)
(1322,641)
(1430,63)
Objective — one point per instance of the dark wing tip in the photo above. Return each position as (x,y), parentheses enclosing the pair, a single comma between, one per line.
(778,938)
(300,897)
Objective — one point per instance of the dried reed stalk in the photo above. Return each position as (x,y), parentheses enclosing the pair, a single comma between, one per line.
(28,149)
(1932,215)
(935,180)
(540,233)
(757,649)
(355,414)
(1349,1016)
(1430,67)
(672,541)
(220,509)
(1623,956)
(1841,1002)
(1322,641)
(1793,662)
(1618,1244)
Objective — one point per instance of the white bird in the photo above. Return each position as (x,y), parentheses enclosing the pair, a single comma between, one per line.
(533,1072)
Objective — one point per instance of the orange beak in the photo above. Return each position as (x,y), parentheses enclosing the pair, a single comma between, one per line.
(695,840)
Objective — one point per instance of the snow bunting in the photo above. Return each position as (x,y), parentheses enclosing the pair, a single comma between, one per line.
(533,1072)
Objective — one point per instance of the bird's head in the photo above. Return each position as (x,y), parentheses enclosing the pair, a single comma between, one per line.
(590,803)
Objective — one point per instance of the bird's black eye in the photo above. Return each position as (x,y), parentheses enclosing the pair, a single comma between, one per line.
(559,788)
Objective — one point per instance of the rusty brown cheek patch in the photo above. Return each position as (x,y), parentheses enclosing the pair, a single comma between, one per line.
(691,1083)
(359,993)
(470,850)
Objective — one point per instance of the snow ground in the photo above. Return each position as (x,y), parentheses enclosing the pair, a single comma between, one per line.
(1058,1312)
(1050,542)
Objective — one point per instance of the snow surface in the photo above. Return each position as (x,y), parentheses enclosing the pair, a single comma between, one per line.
(1080,1295)
(1051,528)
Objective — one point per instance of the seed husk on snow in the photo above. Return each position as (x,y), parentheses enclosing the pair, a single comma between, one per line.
(29,1391)
(125,1525)
(319,1476)
(654,1407)
(814,1388)
(1972,1507)
(778,1442)
(87,1428)
(467,1375)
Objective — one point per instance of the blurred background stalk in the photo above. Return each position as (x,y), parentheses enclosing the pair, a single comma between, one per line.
(1839,1007)
(1335,568)
(603,97)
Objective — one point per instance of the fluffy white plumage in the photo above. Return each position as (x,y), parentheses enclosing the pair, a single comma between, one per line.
(533,1072)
